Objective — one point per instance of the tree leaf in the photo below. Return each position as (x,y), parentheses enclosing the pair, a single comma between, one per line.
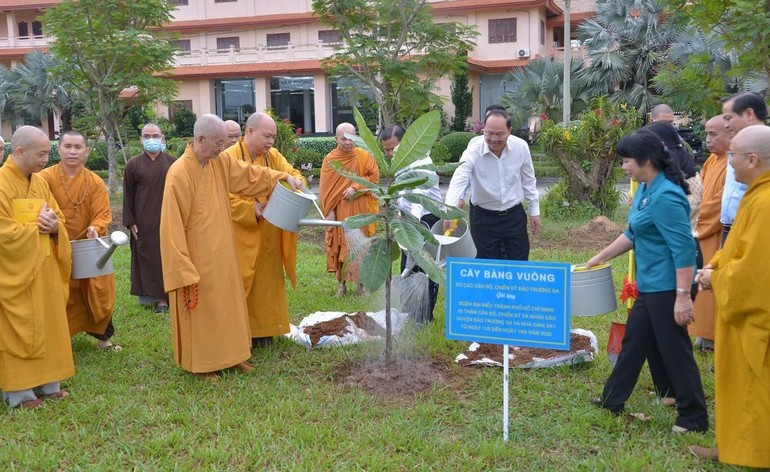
(342,170)
(418,140)
(407,235)
(426,262)
(376,264)
(360,220)
(412,183)
(372,144)
(432,177)
(443,211)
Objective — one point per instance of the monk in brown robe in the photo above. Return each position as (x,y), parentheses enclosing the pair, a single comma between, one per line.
(709,229)
(264,250)
(35,265)
(143,181)
(85,203)
(209,320)
(336,193)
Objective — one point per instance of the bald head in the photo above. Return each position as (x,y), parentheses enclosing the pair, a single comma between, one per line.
(260,134)
(662,112)
(210,137)
(30,149)
(717,136)
(233,131)
(343,142)
(2,149)
(750,149)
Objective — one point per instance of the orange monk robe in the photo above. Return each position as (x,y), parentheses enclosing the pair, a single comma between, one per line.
(85,202)
(211,331)
(264,251)
(332,186)
(34,272)
(709,237)
(742,345)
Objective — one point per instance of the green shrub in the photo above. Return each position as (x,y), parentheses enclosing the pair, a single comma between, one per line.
(7,150)
(184,121)
(53,158)
(550,171)
(321,145)
(456,144)
(176,146)
(557,204)
(440,153)
(305,156)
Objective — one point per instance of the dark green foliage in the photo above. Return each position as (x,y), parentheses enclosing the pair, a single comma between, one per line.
(305,156)
(440,153)
(558,204)
(322,145)
(184,120)
(462,98)
(176,146)
(456,143)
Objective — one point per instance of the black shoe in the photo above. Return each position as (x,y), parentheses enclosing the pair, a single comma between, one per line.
(261,342)
(598,402)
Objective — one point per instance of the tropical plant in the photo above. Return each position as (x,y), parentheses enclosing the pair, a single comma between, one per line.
(396,49)
(184,122)
(586,151)
(396,227)
(537,89)
(626,44)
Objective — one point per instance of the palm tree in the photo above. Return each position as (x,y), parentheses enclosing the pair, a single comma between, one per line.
(537,89)
(8,109)
(626,45)
(37,91)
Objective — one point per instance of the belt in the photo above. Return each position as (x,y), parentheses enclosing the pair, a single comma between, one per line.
(498,212)
(726,227)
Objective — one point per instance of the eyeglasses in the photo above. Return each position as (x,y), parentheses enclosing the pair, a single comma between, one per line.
(500,135)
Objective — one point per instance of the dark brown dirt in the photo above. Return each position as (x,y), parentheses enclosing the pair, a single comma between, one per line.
(312,235)
(337,326)
(400,379)
(117,219)
(524,355)
(593,235)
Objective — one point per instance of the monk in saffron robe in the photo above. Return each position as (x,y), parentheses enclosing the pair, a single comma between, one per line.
(264,250)
(209,321)
(709,229)
(739,278)
(84,201)
(336,194)
(35,265)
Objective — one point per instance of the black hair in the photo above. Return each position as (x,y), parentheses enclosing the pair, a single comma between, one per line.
(392,131)
(494,106)
(502,113)
(675,146)
(745,100)
(73,132)
(645,146)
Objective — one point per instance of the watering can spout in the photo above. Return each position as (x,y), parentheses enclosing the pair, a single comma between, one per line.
(117,238)
(317,222)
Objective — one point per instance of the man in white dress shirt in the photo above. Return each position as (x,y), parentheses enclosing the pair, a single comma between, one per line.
(501,175)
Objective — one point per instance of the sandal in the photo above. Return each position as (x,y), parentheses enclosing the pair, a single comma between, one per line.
(110,348)
(55,396)
(31,404)
(159,309)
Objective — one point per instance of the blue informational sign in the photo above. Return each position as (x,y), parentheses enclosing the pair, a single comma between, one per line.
(519,303)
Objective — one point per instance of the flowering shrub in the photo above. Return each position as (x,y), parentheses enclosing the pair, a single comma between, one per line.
(586,152)
(286,136)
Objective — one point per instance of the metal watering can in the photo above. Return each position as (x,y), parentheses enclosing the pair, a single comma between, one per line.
(287,209)
(91,257)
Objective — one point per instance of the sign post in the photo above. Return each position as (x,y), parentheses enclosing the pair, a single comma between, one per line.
(519,303)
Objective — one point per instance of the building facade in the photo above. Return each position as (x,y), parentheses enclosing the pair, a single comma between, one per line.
(239,56)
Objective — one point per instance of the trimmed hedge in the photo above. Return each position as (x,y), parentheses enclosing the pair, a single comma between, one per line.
(440,153)
(304,156)
(321,145)
(456,143)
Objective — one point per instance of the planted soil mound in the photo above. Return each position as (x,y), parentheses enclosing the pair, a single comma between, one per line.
(595,234)
(525,355)
(338,327)
(400,378)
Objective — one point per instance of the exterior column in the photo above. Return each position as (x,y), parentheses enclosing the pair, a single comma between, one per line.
(11,22)
(322,105)
(307,106)
(261,93)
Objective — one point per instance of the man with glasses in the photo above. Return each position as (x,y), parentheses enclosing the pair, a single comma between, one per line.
(233,132)
(500,172)
(143,181)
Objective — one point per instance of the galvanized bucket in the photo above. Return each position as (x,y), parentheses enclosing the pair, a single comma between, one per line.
(459,244)
(592,291)
(87,254)
(286,208)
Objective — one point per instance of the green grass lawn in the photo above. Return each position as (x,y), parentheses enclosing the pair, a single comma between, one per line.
(135,410)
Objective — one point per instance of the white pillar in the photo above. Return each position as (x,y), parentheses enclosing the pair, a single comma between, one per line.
(322,103)
(261,93)
(11,22)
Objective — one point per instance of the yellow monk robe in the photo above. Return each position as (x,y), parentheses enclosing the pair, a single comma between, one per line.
(34,340)
(332,186)
(85,202)
(742,345)
(211,331)
(710,238)
(264,251)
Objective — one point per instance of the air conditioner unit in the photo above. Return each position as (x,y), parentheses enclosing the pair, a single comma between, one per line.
(523,53)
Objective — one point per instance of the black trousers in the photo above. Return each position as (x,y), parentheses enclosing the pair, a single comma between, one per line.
(652,334)
(500,234)
(430,219)
(108,332)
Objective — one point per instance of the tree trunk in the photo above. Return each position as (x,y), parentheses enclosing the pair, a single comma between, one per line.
(112,163)
(388,325)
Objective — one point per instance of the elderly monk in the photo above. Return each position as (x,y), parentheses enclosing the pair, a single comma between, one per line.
(35,265)
(739,277)
(83,199)
(709,229)
(209,320)
(2,150)
(264,251)
(338,202)
(143,180)
(233,132)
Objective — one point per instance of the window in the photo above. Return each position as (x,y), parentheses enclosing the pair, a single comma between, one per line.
(542,32)
(329,36)
(183,47)
(223,44)
(502,30)
(37,29)
(23,28)
(177,105)
(177,2)
(278,40)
